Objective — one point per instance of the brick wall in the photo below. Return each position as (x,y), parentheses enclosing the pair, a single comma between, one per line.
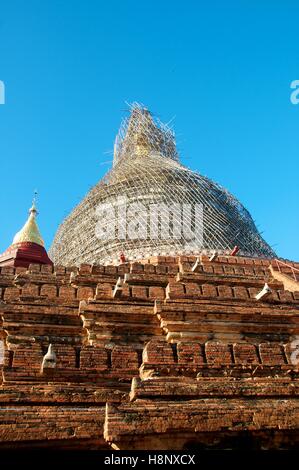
(157,330)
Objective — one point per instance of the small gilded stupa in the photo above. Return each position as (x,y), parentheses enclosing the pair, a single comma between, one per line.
(27,246)
(147,175)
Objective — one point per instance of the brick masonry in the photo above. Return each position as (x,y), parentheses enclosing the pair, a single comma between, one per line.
(148,354)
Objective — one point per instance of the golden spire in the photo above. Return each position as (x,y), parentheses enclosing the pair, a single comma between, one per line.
(30,232)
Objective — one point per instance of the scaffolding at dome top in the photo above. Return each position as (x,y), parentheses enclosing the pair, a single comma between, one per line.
(147,173)
(141,133)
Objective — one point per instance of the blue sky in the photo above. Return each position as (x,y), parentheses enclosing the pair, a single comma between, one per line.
(223,69)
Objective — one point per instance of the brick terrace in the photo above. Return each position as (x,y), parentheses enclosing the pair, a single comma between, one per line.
(149,355)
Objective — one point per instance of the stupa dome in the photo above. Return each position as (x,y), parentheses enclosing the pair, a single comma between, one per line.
(27,246)
(150,204)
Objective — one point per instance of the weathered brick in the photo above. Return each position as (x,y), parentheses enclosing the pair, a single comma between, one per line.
(46,268)
(160,269)
(271,353)
(136,268)
(209,290)
(207,268)
(93,358)
(103,290)
(67,292)
(158,352)
(156,292)
(175,290)
(149,268)
(245,353)
(228,270)
(34,268)
(66,356)
(30,290)
(241,292)
(98,348)
(253,291)
(225,291)
(124,357)
(285,296)
(59,270)
(193,289)
(85,292)
(139,291)
(48,290)
(11,293)
(7,270)
(98,269)
(85,268)
(218,269)
(28,358)
(110,270)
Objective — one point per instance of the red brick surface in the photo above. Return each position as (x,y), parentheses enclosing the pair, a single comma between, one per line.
(173,356)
